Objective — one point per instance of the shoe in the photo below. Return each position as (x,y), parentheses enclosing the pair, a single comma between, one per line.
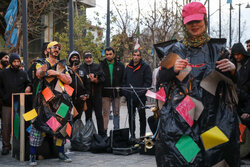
(33,160)
(64,157)
(5,151)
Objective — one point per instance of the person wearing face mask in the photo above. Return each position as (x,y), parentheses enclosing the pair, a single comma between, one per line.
(80,84)
(95,75)
(197,56)
(12,80)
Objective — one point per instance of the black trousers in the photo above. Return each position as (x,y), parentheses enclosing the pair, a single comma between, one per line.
(95,103)
(132,105)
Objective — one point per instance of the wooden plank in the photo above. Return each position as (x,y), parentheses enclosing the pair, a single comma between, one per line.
(22,127)
(12,124)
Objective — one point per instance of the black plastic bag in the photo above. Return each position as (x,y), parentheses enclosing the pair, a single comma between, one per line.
(100,144)
(82,135)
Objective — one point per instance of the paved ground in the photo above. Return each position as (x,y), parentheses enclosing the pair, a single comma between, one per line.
(89,159)
(94,160)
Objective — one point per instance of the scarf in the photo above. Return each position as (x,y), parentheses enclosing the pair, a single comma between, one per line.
(195,41)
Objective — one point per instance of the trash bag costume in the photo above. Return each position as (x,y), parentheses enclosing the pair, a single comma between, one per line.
(53,104)
(213,137)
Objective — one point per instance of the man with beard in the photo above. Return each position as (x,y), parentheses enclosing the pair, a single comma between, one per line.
(113,71)
(12,80)
(80,83)
(137,74)
(50,72)
(4,60)
(96,76)
(248,45)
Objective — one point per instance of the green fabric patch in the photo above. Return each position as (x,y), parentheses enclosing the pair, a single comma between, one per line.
(187,147)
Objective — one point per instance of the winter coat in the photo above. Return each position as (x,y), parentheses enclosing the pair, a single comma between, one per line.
(243,82)
(137,76)
(218,111)
(81,87)
(118,71)
(12,81)
(85,70)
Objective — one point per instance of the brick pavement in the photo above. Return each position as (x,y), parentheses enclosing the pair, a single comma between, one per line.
(94,160)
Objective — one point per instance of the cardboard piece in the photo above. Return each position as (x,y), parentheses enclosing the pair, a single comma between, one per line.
(74,112)
(49,79)
(197,110)
(184,73)
(242,131)
(187,147)
(30,115)
(68,129)
(53,123)
(59,142)
(183,109)
(210,82)
(213,137)
(160,95)
(62,110)
(28,129)
(69,89)
(48,94)
(222,163)
(59,86)
(63,131)
(60,67)
(16,125)
(169,61)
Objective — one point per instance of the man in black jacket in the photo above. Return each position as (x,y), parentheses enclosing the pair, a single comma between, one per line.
(242,63)
(4,60)
(113,71)
(80,84)
(12,80)
(95,74)
(138,75)
(248,45)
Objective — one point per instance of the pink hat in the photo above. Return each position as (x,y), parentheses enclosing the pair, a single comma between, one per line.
(193,11)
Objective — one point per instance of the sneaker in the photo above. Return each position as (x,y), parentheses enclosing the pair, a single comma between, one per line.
(33,160)
(64,157)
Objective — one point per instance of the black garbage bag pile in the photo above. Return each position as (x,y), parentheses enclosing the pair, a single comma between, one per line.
(82,135)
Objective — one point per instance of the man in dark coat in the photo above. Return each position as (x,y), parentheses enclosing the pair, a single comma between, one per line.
(113,71)
(12,80)
(248,45)
(80,84)
(138,75)
(95,74)
(4,60)
(242,63)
